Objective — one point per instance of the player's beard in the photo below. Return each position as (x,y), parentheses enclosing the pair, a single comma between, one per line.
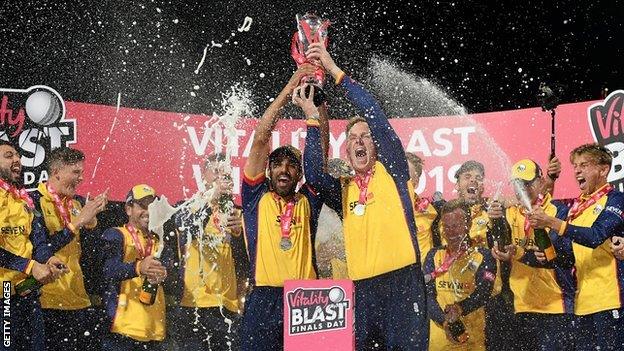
(7,176)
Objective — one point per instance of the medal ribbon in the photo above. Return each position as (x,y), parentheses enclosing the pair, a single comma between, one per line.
(286,218)
(527,225)
(447,263)
(363,185)
(143,252)
(579,205)
(62,207)
(421,203)
(18,193)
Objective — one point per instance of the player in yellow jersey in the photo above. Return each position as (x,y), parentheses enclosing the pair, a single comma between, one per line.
(590,221)
(22,316)
(210,268)
(65,218)
(280,225)
(424,211)
(381,242)
(129,260)
(460,278)
(543,293)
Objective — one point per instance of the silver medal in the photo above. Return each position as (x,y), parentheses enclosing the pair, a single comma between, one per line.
(359,209)
(285,244)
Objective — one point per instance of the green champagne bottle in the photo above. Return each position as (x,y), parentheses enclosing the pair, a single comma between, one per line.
(502,234)
(148,292)
(542,241)
(27,286)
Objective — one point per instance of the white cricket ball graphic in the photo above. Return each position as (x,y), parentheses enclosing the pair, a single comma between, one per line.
(43,108)
(336,295)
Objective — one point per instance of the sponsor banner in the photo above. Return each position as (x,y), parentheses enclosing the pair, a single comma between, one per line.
(35,120)
(318,313)
(125,147)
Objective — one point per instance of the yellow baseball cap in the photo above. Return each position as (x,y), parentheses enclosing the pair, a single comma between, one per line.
(139,192)
(526,170)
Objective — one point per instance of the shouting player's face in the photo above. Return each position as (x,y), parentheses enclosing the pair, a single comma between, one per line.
(284,174)
(470,186)
(10,165)
(361,150)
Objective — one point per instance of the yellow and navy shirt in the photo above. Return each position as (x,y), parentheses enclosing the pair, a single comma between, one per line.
(262,208)
(537,287)
(425,215)
(125,312)
(206,261)
(600,276)
(68,291)
(478,233)
(384,239)
(16,241)
(468,283)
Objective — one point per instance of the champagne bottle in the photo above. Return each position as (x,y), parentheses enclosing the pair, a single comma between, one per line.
(458,331)
(226,203)
(148,292)
(27,286)
(542,241)
(502,234)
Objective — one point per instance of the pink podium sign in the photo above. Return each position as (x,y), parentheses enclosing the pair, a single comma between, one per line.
(318,315)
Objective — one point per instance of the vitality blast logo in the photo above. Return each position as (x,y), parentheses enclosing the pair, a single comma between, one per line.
(317,310)
(607,127)
(34,120)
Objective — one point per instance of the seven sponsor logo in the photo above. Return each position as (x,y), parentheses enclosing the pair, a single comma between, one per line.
(317,310)
(34,120)
(607,127)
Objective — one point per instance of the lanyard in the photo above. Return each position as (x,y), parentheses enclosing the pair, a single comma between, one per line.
(18,193)
(362,184)
(62,208)
(579,205)
(421,204)
(143,252)
(447,263)
(286,218)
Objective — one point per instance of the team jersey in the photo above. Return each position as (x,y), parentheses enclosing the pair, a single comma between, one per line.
(600,276)
(127,315)
(468,282)
(538,288)
(478,233)
(262,211)
(16,247)
(384,238)
(68,291)
(207,266)
(425,215)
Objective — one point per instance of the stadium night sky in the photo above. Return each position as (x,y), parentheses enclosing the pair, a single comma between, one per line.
(487,56)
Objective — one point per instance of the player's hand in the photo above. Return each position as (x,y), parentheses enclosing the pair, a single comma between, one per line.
(506,254)
(57,267)
(495,209)
(303,70)
(554,168)
(318,52)
(42,273)
(538,218)
(617,247)
(306,103)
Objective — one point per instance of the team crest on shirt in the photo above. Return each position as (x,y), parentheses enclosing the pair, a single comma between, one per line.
(75,212)
(481,221)
(598,209)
